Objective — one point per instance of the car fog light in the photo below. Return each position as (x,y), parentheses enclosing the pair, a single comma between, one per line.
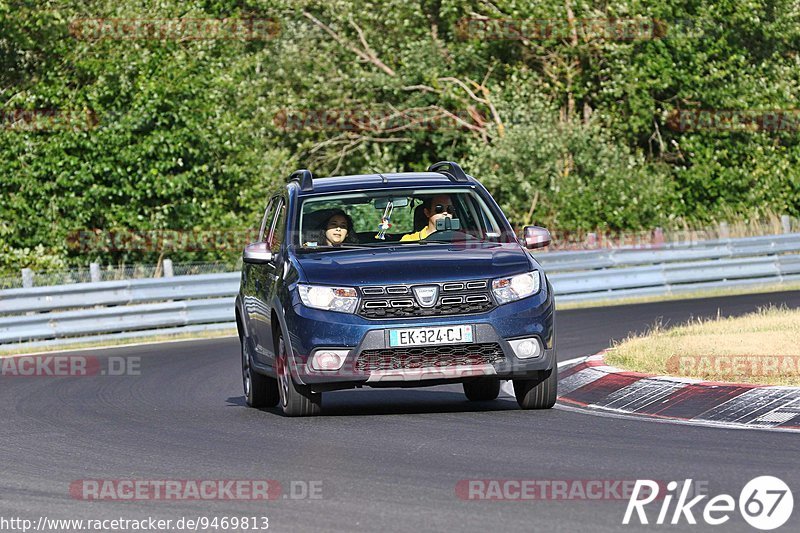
(526,348)
(328,359)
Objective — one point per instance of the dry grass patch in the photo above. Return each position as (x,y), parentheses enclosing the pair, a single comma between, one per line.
(761,347)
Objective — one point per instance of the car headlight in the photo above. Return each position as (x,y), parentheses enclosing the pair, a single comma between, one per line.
(516,287)
(342,299)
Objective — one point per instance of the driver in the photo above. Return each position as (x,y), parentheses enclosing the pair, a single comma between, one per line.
(436,208)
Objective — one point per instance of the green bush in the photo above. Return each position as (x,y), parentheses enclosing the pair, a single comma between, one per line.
(154,135)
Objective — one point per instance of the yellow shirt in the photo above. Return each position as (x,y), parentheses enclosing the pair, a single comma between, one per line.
(418,236)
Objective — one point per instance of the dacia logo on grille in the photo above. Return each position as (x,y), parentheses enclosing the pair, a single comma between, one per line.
(426,296)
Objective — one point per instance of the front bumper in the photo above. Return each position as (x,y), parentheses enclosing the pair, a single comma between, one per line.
(311,329)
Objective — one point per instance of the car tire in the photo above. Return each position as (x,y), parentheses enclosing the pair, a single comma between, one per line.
(537,393)
(259,390)
(295,400)
(482,389)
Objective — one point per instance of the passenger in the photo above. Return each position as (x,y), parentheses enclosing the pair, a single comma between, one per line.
(336,229)
(436,208)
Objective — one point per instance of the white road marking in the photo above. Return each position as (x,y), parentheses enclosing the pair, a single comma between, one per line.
(572,362)
(759,408)
(644,418)
(639,395)
(578,380)
(747,407)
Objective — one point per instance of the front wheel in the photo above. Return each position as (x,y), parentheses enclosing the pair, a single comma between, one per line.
(537,393)
(259,390)
(296,400)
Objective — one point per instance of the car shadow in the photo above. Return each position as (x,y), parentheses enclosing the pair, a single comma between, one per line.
(371,402)
(236,401)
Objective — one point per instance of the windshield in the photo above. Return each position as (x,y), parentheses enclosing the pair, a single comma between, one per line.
(396,217)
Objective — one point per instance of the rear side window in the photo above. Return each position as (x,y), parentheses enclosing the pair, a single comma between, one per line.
(279,227)
(266,222)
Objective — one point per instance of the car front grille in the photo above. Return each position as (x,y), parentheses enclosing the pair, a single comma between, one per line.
(429,357)
(454,298)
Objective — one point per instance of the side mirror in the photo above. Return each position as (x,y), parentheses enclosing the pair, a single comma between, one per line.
(257,253)
(536,237)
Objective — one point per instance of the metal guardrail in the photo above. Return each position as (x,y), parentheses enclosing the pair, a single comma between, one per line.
(671,278)
(670,253)
(112,319)
(133,308)
(124,292)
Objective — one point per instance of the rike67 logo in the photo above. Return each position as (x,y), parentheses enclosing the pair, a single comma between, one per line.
(765,503)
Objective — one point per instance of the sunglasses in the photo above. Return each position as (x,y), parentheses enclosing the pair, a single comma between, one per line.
(439,208)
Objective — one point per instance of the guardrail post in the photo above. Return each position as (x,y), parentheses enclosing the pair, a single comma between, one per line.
(168,272)
(658,238)
(27,278)
(786,223)
(94,272)
(724,232)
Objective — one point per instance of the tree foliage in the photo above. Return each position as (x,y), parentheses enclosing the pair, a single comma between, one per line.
(571,130)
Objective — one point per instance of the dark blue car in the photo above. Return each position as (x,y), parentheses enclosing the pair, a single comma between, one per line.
(393,280)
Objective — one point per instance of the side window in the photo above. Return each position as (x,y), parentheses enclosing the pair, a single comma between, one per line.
(278,227)
(266,222)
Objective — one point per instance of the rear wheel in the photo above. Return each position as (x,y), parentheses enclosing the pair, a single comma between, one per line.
(537,393)
(482,389)
(259,390)
(296,400)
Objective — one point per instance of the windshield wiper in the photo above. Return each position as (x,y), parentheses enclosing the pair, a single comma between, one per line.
(378,243)
(475,240)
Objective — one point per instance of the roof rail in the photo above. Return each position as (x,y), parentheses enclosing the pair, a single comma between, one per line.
(305,178)
(453,171)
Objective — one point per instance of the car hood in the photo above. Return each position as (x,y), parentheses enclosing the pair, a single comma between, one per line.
(412,264)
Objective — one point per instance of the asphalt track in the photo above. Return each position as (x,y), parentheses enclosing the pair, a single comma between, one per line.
(386,459)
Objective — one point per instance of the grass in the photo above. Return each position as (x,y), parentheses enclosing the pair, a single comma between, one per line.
(122,342)
(760,347)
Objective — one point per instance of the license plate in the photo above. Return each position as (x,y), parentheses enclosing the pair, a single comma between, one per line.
(428,336)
